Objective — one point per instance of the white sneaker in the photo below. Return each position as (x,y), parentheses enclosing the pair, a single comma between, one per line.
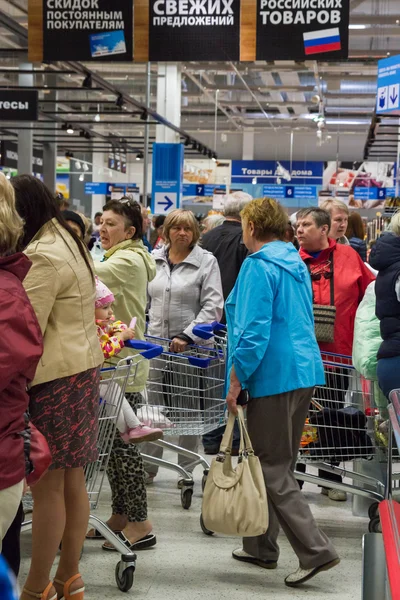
(240,554)
(335,495)
(303,575)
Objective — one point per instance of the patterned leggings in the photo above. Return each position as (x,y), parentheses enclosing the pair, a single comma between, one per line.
(126,475)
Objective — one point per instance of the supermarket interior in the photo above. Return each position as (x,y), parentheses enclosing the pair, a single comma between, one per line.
(189,104)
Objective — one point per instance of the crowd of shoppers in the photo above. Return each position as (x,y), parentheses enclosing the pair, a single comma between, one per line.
(247,258)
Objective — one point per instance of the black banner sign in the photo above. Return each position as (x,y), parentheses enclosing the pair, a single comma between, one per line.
(302,29)
(194,30)
(9,157)
(18,105)
(88,30)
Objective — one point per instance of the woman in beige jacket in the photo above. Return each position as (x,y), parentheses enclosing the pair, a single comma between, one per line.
(65,392)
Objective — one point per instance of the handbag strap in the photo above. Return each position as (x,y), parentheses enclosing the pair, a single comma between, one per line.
(331,280)
(227,439)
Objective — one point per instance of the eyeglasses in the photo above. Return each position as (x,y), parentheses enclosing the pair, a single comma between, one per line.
(318,276)
(320,271)
(129,201)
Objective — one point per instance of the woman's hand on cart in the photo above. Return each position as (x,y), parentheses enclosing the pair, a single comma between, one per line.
(177,345)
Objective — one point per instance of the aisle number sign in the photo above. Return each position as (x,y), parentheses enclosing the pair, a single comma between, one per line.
(388,97)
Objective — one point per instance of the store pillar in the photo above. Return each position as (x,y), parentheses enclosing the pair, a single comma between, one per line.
(50,149)
(168,101)
(25,136)
(248,145)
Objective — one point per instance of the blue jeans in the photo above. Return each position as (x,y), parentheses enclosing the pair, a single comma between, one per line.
(388,372)
(214,438)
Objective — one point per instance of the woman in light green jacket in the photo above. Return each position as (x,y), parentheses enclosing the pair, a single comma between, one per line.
(126,269)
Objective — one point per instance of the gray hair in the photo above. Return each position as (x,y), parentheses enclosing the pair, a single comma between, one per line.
(235,203)
(320,216)
(334,204)
(213,221)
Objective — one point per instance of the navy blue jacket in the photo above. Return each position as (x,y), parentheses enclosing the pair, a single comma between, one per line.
(359,246)
(385,257)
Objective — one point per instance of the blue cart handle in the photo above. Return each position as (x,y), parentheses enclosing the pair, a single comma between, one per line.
(146,349)
(206,331)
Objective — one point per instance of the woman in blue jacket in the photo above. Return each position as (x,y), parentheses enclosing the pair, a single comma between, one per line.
(274,354)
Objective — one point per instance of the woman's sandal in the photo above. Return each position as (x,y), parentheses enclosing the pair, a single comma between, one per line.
(41,595)
(76,594)
(97,535)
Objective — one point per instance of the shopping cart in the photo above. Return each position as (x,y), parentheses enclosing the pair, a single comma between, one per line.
(184,396)
(345,425)
(114,382)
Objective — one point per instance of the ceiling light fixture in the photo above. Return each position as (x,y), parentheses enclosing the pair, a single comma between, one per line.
(214,156)
(144,115)
(78,165)
(70,129)
(85,167)
(97,118)
(187,142)
(81,177)
(357,27)
(139,156)
(87,83)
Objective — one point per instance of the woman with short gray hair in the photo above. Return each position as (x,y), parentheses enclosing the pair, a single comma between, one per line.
(186,291)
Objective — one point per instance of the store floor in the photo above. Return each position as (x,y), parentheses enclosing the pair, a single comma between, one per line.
(187,565)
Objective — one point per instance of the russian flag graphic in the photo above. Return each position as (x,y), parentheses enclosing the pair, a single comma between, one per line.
(325,40)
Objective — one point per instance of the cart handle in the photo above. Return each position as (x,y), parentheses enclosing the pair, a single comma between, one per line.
(206,331)
(146,349)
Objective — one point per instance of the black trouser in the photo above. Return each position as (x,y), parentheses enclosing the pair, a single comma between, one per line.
(11,546)
(332,396)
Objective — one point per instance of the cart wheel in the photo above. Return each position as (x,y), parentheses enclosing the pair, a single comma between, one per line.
(375,525)
(373,510)
(186,498)
(203,482)
(204,528)
(125,581)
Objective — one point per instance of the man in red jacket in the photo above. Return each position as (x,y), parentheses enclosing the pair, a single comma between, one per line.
(326,259)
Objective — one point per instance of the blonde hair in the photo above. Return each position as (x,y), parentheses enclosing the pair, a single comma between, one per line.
(11,224)
(335,204)
(181,216)
(269,218)
(395,223)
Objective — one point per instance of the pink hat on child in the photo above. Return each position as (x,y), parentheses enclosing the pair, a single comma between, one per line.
(103,294)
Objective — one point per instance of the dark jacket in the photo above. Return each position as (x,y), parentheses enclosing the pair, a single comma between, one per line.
(385,257)
(226,243)
(359,246)
(20,352)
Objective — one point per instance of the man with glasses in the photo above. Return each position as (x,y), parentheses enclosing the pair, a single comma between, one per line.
(336,268)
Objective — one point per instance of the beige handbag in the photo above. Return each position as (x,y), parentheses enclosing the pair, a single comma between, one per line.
(235,500)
